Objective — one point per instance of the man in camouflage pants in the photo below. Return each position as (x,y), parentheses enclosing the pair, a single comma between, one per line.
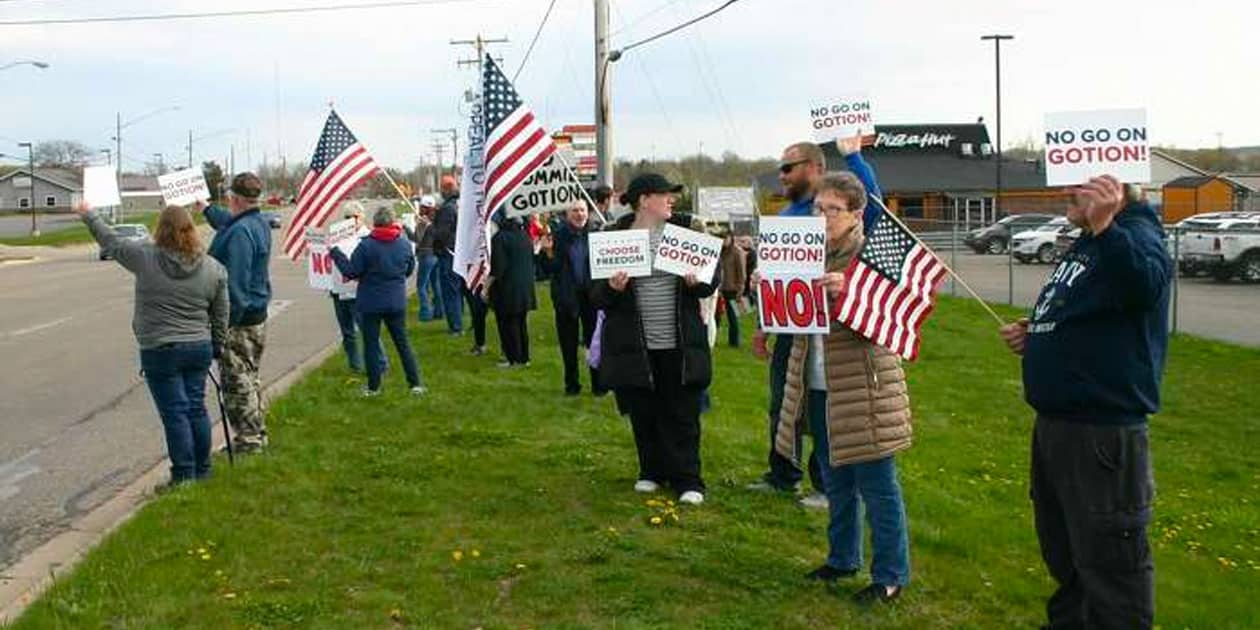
(242,243)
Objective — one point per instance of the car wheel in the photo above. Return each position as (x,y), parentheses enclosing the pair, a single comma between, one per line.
(1250,268)
(1045,254)
(1223,273)
(995,246)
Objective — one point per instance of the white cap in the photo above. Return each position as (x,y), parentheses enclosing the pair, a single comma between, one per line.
(428,201)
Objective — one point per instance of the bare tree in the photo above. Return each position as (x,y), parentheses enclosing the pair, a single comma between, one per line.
(62,154)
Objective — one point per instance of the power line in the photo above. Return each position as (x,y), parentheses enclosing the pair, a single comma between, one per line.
(535,40)
(642,18)
(675,29)
(238,13)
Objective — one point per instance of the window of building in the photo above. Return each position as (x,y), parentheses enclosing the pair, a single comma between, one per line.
(24,202)
(50,201)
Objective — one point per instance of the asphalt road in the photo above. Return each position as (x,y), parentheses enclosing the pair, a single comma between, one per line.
(76,420)
(20,224)
(1224,311)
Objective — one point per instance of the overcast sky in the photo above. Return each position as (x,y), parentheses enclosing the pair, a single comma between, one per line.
(741,81)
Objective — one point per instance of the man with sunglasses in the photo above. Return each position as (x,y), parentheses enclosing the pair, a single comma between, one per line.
(800,170)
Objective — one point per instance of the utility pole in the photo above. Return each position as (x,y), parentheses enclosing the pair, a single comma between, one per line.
(603,96)
(438,148)
(454,133)
(997,195)
(190,141)
(161,165)
(480,44)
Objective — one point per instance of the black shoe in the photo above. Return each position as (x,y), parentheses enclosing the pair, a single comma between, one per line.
(600,393)
(572,391)
(877,593)
(828,573)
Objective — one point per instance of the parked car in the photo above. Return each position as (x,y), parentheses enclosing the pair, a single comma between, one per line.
(1220,247)
(993,239)
(128,232)
(273,219)
(1038,243)
(1064,241)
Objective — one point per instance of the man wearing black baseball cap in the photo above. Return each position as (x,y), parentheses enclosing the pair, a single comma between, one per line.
(242,244)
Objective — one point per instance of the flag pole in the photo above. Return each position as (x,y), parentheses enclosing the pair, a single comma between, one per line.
(398,190)
(572,173)
(957,278)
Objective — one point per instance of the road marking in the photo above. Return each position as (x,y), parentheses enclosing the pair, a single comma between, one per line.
(38,327)
(13,472)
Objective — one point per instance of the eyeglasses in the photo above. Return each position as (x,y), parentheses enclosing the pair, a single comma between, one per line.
(787,167)
(830,210)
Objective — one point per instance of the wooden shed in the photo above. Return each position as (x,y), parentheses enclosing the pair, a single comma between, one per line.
(1188,196)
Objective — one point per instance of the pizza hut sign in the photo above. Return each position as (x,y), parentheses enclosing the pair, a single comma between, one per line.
(923,140)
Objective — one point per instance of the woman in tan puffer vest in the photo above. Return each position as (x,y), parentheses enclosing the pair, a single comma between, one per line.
(853,393)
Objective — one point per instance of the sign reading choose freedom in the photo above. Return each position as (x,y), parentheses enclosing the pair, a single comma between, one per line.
(620,250)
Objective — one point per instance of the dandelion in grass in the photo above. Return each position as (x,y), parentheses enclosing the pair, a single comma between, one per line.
(655,520)
(476,553)
(457,555)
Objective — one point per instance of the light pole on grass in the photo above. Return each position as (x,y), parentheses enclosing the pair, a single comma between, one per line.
(30,160)
(997,152)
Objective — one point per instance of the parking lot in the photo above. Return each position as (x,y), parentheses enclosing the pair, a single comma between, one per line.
(1202,306)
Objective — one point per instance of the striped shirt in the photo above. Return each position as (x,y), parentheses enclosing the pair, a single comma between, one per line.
(657,295)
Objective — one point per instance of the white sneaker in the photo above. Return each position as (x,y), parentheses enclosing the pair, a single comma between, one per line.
(691,497)
(371,393)
(646,485)
(419,390)
(815,501)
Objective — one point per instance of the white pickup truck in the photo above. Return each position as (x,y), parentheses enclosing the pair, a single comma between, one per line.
(1220,246)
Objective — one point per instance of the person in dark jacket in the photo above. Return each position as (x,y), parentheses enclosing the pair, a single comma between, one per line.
(180,323)
(1093,358)
(242,244)
(449,283)
(381,263)
(511,289)
(428,280)
(734,281)
(566,256)
(655,350)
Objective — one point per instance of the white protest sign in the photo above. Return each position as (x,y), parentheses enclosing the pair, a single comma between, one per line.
(724,204)
(100,187)
(183,187)
(684,251)
(345,236)
(319,264)
(549,189)
(792,246)
(842,117)
(620,250)
(793,304)
(1081,145)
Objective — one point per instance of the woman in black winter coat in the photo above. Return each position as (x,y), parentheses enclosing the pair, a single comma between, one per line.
(511,289)
(654,350)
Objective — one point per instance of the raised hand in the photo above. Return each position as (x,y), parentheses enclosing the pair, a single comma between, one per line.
(1099,200)
(849,146)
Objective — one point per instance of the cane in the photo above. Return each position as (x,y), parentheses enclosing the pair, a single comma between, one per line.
(227,434)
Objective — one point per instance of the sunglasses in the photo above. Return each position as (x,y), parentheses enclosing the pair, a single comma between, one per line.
(787,167)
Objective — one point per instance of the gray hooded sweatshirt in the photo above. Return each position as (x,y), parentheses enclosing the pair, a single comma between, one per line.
(177,301)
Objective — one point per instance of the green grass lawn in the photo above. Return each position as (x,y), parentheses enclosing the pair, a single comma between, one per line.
(75,234)
(495,502)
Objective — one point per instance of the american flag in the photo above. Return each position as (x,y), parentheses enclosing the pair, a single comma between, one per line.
(516,145)
(890,288)
(339,165)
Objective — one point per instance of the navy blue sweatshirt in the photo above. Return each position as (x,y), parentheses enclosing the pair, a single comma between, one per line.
(381,264)
(1099,332)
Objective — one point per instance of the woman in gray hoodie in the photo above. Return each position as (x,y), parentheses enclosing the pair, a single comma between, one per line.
(180,320)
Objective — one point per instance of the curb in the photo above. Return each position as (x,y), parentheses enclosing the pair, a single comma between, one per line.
(28,578)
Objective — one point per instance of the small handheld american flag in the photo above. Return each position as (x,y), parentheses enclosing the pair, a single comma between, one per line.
(890,288)
(339,165)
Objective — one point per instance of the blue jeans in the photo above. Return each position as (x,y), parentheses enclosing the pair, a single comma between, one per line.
(875,483)
(396,323)
(176,375)
(425,284)
(452,288)
(349,323)
(782,473)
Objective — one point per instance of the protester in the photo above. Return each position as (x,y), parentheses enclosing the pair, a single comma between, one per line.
(853,393)
(344,306)
(428,280)
(511,289)
(381,263)
(1093,360)
(734,280)
(800,169)
(478,309)
(602,196)
(180,322)
(566,255)
(449,283)
(655,352)
(242,243)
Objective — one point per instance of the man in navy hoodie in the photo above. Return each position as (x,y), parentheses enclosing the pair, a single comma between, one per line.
(242,244)
(1093,358)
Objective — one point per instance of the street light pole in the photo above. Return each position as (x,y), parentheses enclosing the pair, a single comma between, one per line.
(997,195)
(30,159)
(603,96)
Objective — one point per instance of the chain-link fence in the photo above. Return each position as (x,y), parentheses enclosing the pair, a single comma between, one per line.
(1216,292)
